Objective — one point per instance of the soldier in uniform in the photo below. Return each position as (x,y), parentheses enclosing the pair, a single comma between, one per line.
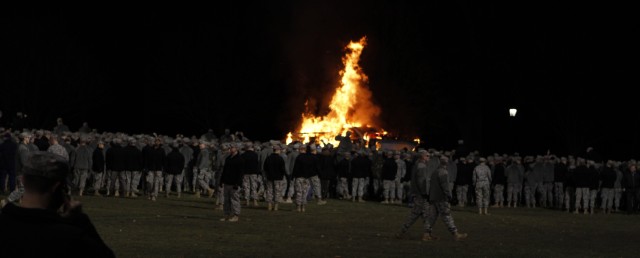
(608,179)
(406,179)
(617,187)
(535,182)
(400,173)
(231,180)
(581,179)
(439,198)
(274,169)
(174,167)
(155,163)
(547,179)
(452,169)
(60,127)
(389,171)
(327,171)
(463,180)
(291,161)
(203,165)
(98,167)
(344,171)
(360,170)
(594,184)
(631,186)
(570,184)
(82,162)
(250,172)
(304,167)
(515,176)
(499,181)
(420,183)
(559,177)
(21,159)
(187,153)
(8,154)
(482,181)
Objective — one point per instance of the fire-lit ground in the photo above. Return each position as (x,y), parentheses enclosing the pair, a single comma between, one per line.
(189,227)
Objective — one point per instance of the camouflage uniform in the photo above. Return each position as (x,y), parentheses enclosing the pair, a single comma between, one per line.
(21,159)
(617,189)
(316,186)
(98,168)
(420,183)
(402,171)
(441,208)
(290,164)
(250,170)
(302,189)
(82,162)
(420,209)
(515,176)
(187,153)
(534,184)
(274,191)
(231,200)
(203,165)
(482,180)
(439,196)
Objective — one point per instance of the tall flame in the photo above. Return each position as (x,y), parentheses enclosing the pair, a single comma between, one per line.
(350,105)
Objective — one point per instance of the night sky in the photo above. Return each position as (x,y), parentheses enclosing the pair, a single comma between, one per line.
(441,70)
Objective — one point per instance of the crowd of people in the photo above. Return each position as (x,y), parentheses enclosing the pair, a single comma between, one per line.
(232,166)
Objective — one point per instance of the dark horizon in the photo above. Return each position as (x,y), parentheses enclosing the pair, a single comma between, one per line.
(439,70)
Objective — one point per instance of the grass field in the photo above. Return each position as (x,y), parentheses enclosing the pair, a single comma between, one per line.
(190,227)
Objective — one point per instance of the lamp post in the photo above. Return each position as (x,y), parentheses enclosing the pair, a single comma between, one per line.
(512,115)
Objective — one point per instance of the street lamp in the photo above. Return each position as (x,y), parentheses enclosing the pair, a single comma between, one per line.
(512,132)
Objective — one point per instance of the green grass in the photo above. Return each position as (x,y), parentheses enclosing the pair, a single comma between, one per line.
(190,227)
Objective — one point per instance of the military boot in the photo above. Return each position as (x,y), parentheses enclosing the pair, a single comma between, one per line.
(459,236)
(428,237)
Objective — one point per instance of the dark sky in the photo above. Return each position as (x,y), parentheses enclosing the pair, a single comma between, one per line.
(442,70)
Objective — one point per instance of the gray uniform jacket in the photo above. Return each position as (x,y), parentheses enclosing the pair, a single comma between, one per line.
(515,174)
(481,174)
(420,178)
(83,157)
(439,186)
(187,153)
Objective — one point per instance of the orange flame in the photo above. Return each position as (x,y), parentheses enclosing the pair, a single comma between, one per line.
(350,106)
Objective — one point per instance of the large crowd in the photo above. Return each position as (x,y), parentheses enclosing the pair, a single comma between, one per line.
(122,165)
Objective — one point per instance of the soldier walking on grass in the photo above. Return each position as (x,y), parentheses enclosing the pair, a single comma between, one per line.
(439,198)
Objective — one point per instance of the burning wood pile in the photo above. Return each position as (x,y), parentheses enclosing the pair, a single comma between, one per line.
(351,109)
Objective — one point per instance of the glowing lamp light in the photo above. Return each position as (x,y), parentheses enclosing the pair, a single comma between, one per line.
(512,112)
